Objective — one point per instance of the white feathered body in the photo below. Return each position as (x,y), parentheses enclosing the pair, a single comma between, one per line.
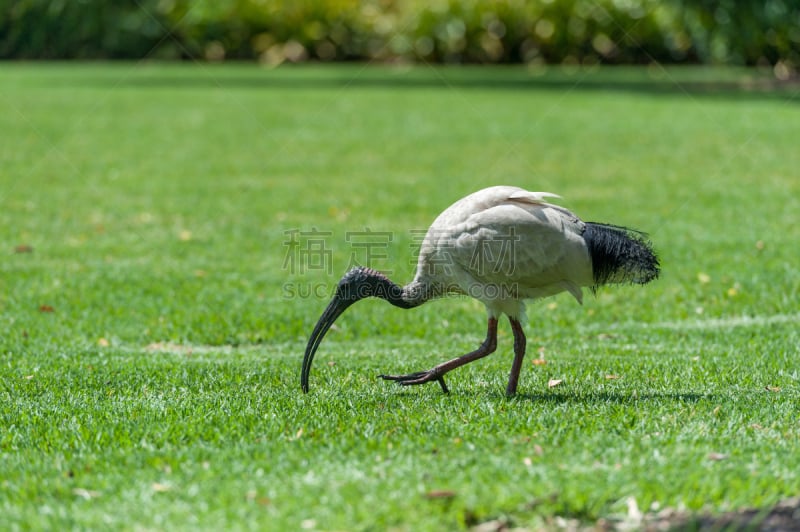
(502,245)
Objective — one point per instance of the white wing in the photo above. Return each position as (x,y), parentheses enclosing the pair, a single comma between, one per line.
(531,197)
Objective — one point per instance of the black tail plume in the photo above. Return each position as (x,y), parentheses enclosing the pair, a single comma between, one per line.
(620,255)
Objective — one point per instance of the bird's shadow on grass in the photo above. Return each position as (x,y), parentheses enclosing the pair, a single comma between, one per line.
(606,397)
(567,396)
(587,397)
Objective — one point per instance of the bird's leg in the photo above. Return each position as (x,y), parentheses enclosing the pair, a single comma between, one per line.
(519,356)
(437,373)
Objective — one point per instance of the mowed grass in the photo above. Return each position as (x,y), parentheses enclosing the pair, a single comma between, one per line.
(154,310)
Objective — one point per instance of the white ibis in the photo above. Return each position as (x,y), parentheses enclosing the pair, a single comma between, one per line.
(501,245)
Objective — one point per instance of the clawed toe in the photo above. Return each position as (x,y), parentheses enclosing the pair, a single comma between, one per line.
(406,378)
(419,377)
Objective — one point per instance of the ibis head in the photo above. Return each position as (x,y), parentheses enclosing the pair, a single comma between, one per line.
(357,284)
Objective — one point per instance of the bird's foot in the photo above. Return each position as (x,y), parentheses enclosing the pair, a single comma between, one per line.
(419,377)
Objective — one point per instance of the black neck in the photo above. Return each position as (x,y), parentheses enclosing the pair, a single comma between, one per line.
(361,282)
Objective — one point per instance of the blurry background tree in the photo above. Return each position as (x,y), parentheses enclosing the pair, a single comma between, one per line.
(742,32)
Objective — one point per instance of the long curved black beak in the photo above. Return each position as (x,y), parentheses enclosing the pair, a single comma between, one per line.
(333,311)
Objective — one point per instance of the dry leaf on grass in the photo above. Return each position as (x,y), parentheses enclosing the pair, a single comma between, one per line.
(717,456)
(46,308)
(495,525)
(252,496)
(773,388)
(440,494)
(612,377)
(85,494)
(538,362)
(552,383)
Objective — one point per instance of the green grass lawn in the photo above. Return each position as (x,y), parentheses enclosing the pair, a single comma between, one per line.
(154,311)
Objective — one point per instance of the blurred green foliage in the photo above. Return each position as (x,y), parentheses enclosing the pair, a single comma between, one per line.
(474,31)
